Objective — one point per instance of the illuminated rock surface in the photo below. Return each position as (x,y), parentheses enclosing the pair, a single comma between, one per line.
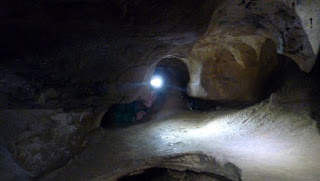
(64,63)
(268,141)
(236,55)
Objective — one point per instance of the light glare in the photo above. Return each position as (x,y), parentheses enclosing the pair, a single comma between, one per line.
(156,82)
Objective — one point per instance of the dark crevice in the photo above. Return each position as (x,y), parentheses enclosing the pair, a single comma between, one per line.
(163,174)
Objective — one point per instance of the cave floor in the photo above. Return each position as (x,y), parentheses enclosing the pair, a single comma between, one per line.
(266,141)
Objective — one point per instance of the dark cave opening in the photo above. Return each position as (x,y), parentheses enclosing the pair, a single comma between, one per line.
(175,92)
(164,174)
(175,72)
(123,115)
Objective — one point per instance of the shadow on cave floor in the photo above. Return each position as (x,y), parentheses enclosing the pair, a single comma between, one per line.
(168,103)
(314,93)
(303,88)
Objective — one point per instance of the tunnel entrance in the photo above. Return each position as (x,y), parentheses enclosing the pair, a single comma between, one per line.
(175,73)
(169,97)
(173,94)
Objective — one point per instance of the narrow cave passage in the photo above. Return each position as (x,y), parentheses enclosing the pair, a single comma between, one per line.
(170,96)
(261,139)
(173,95)
(240,98)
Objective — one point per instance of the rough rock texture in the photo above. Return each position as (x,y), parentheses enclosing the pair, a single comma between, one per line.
(63,63)
(238,52)
(203,163)
(277,139)
(43,140)
(222,78)
(273,140)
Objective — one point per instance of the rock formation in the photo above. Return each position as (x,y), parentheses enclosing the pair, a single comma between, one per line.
(65,62)
(239,50)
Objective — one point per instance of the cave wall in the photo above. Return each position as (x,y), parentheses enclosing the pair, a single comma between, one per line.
(92,53)
(239,49)
(65,62)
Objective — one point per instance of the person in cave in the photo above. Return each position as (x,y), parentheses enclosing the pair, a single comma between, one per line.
(123,114)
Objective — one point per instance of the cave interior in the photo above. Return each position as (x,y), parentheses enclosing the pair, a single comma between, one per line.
(160,90)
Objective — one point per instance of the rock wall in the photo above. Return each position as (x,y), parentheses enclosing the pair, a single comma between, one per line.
(42,140)
(64,62)
(92,53)
(239,50)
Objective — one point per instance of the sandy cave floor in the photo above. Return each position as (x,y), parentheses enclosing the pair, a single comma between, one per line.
(266,141)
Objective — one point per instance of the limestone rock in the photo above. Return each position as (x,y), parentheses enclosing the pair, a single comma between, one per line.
(42,140)
(238,53)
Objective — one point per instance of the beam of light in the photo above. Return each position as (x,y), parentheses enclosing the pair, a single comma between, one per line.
(156,82)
